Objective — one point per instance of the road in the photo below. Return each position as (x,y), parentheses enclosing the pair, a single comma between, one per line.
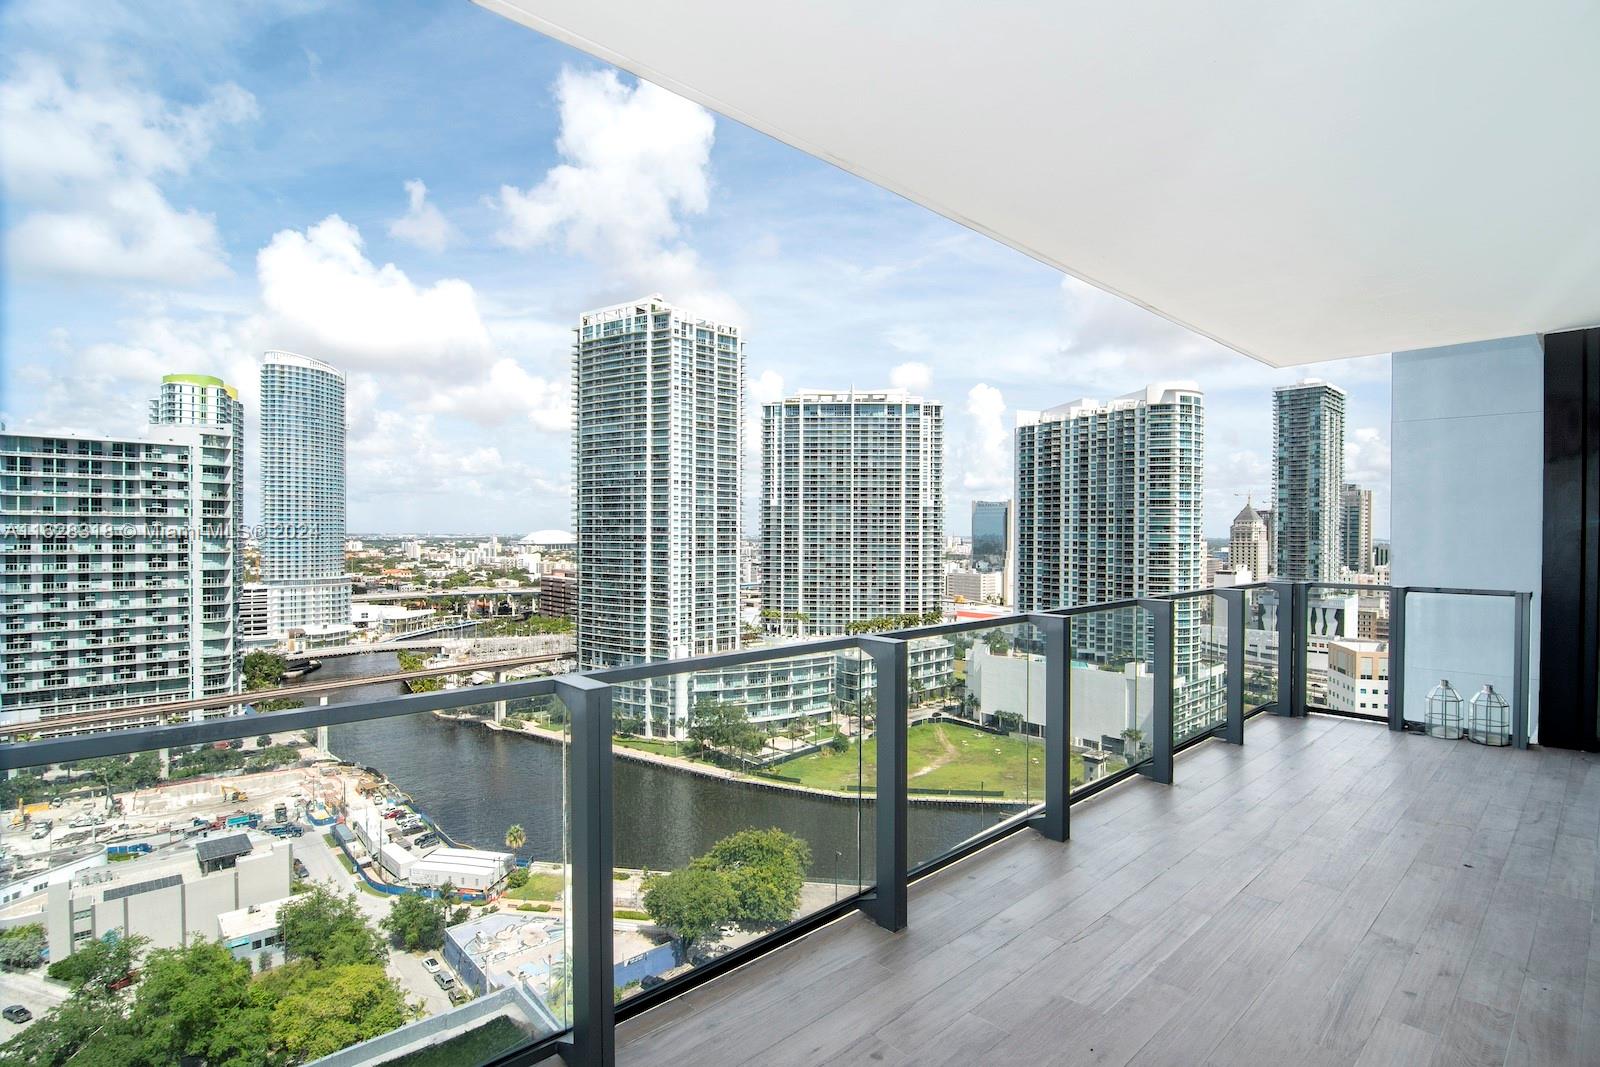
(322,865)
(33,991)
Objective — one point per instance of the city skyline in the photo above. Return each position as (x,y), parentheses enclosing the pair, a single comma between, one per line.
(450,309)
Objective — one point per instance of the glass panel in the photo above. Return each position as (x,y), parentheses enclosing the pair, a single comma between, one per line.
(974,748)
(1347,650)
(1468,640)
(1200,666)
(1260,648)
(738,807)
(408,848)
(1112,691)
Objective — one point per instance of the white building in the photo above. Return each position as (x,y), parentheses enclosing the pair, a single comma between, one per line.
(658,396)
(167,899)
(1358,676)
(123,568)
(852,509)
(1109,507)
(303,499)
(1307,479)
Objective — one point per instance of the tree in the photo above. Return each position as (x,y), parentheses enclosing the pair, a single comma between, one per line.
(839,745)
(99,962)
(693,903)
(197,1003)
(766,870)
(329,930)
(722,724)
(1134,741)
(516,836)
(415,922)
(517,878)
(264,670)
(316,1011)
(22,946)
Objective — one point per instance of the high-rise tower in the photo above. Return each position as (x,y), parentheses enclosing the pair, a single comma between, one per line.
(303,498)
(852,509)
(658,402)
(1307,479)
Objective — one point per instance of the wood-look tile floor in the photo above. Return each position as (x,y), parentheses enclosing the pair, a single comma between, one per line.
(1329,893)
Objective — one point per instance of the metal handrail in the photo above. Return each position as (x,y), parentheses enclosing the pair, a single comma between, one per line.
(588,698)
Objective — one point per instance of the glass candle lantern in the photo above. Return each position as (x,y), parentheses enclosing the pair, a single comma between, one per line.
(1444,712)
(1489,718)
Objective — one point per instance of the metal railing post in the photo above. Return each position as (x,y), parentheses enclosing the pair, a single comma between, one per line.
(589,805)
(1289,629)
(891,661)
(1397,657)
(1055,823)
(1159,767)
(1519,682)
(1233,613)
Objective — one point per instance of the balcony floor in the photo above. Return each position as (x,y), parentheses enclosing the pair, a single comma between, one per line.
(1330,893)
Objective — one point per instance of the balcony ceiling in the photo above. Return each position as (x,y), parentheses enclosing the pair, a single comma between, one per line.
(1300,182)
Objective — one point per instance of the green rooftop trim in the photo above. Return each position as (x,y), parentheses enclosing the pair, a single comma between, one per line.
(202,379)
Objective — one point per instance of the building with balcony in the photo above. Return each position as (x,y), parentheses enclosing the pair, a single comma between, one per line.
(1307,480)
(1109,507)
(122,566)
(1355,529)
(658,401)
(303,500)
(852,509)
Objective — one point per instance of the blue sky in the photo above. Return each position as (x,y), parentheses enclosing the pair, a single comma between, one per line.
(427,196)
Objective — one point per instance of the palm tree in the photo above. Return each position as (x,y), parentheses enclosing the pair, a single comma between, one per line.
(1135,741)
(516,837)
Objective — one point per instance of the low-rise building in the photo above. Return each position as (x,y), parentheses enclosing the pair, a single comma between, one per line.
(1358,676)
(169,899)
(974,587)
(252,933)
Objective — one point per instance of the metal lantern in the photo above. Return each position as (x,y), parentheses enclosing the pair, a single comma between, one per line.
(1489,718)
(1444,711)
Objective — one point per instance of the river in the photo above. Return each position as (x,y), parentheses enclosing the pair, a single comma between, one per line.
(475,782)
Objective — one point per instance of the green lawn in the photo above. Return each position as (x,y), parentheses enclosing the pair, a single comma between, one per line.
(940,756)
(660,748)
(541,885)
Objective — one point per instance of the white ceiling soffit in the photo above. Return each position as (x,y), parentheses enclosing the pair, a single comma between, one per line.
(1298,181)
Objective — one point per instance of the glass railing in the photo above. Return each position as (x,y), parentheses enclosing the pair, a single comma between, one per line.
(517,865)
(1347,649)
(1113,691)
(1260,646)
(1471,644)
(741,798)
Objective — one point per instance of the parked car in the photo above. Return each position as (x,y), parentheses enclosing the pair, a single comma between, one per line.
(427,840)
(393,813)
(41,831)
(16,1013)
(82,821)
(432,964)
(445,981)
(300,870)
(459,996)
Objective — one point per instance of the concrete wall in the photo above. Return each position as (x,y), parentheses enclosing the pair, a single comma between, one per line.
(1468,508)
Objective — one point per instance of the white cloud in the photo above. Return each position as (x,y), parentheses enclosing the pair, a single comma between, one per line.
(84,154)
(637,161)
(1366,456)
(325,296)
(913,377)
(505,393)
(986,466)
(423,224)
